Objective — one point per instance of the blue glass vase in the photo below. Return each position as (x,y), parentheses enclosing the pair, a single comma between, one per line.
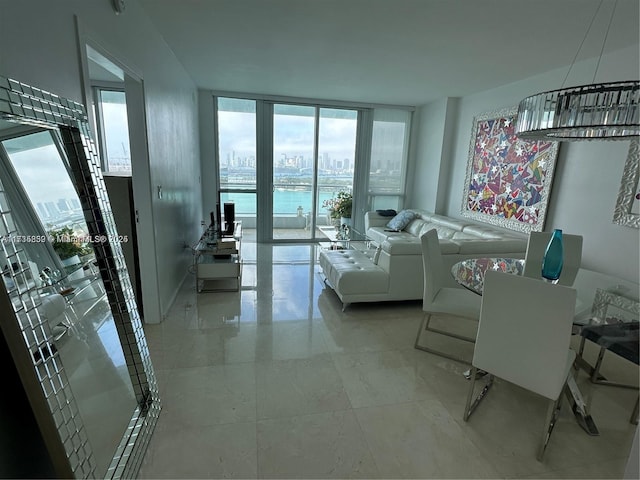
(553,257)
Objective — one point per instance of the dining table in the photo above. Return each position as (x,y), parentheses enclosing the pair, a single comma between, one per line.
(591,288)
(589,284)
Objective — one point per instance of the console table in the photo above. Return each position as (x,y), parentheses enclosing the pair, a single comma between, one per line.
(219,269)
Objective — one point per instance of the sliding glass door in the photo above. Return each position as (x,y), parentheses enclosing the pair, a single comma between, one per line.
(285,161)
(294,170)
(313,159)
(336,158)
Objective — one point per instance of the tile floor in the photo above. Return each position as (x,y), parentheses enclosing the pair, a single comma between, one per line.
(276,381)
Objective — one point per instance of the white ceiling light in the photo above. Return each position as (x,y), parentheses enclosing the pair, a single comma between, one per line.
(607,111)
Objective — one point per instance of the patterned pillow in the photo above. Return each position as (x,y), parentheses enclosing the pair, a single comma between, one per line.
(401,220)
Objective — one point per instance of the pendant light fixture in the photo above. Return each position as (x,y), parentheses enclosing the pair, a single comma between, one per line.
(605,111)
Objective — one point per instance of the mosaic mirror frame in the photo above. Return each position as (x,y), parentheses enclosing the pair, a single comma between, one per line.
(610,307)
(43,375)
(627,209)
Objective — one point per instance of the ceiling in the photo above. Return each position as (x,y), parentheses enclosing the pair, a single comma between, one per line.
(404,52)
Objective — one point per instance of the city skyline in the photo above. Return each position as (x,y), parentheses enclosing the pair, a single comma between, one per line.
(293,137)
(325,162)
(50,209)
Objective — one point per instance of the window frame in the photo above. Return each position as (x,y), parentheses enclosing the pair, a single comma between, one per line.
(363,199)
(96,89)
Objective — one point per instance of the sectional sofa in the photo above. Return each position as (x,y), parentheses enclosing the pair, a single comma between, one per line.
(389,267)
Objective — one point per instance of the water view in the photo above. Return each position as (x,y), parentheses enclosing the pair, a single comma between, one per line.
(285,201)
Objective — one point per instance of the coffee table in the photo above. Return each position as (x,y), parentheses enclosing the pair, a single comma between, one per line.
(344,239)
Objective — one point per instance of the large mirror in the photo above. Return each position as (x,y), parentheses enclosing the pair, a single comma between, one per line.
(67,307)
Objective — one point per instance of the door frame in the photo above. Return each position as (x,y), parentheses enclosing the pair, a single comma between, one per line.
(141,172)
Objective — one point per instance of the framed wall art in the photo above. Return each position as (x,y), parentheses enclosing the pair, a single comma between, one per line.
(627,211)
(508,179)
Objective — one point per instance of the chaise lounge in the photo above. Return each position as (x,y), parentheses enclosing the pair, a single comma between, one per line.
(392,268)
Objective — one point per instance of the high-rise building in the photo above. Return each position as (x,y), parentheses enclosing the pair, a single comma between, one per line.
(63,205)
(42,211)
(51,209)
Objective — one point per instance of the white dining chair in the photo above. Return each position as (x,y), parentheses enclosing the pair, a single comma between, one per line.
(536,246)
(523,337)
(452,303)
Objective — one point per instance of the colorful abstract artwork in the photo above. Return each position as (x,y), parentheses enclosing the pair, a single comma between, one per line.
(508,180)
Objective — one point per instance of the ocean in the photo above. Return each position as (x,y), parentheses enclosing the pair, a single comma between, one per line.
(285,202)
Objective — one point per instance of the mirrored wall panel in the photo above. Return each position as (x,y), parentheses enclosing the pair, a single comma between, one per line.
(67,308)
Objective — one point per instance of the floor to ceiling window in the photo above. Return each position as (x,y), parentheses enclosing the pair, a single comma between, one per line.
(299,155)
(294,169)
(237,158)
(389,147)
(336,156)
(313,159)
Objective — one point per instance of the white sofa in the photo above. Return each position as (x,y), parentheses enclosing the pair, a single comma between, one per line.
(391,268)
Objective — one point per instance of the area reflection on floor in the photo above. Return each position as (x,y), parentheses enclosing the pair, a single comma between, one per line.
(279,284)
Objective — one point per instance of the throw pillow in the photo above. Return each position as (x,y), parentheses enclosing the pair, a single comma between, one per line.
(387,213)
(401,220)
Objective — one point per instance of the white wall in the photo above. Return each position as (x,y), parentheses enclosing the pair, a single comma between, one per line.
(433,144)
(587,176)
(40,48)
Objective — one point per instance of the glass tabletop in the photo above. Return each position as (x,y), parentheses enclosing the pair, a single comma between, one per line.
(470,272)
(336,234)
(601,298)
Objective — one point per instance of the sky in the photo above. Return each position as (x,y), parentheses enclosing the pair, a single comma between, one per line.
(42,173)
(293,135)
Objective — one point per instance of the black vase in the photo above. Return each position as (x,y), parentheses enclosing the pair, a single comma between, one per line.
(229,217)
